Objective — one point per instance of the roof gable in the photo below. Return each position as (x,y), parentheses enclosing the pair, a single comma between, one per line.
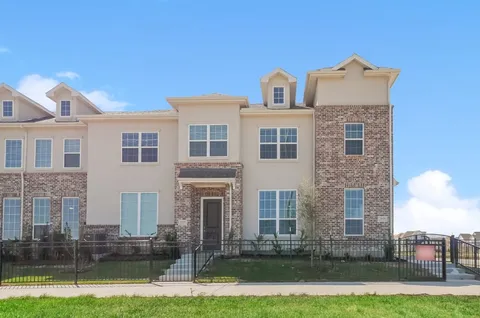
(354,57)
(278,71)
(51,94)
(16,93)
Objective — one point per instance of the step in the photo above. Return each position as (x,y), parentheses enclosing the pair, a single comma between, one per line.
(464,276)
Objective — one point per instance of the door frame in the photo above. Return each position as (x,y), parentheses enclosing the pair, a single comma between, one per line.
(201,217)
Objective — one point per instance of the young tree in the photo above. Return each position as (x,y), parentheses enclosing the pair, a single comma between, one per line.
(306,211)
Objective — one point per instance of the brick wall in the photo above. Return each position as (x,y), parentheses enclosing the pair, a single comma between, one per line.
(187,203)
(334,171)
(52,185)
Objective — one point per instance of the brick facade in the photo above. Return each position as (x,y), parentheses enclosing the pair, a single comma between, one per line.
(188,201)
(48,184)
(334,171)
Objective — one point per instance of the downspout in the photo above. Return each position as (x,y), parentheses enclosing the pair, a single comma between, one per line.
(392,228)
(22,176)
(314,153)
(230,208)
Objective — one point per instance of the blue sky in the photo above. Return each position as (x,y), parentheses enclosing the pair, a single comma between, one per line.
(135,53)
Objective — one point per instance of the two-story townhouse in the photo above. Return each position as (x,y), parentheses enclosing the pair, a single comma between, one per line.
(211,167)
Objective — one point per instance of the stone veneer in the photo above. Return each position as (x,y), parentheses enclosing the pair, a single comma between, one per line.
(334,171)
(113,231)
(187,203)
(45,184)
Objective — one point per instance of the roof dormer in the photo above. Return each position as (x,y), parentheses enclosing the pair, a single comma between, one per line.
(278,89)
(70,103)
(16,107)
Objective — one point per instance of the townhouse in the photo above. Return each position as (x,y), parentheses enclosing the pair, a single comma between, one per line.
(211,167)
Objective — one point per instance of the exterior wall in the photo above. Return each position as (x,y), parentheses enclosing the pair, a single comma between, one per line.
(334,171)
(209,114)
(188,203)
(278,80)
(81,108)
(108,177)
(272,174)
(353,89)
(52,185)
(22,110)
(57,134)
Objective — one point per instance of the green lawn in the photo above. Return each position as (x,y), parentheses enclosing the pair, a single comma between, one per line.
(286,270)
(287,306)
(128,271)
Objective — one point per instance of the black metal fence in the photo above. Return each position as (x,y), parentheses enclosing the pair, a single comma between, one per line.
(75,262)
(466,255)
(325,260)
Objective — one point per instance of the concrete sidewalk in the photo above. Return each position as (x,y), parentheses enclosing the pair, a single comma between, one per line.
(191,289)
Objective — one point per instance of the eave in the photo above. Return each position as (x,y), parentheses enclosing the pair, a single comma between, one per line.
(175,102)
(274,112)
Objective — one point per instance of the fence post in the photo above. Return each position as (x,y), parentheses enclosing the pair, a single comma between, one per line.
(1,262)
(475,254)
(150,261)
(399,244)
(452,249)
(444,259)
(194,269)
(75,260)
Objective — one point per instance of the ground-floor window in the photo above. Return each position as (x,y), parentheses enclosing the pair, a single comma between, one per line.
(277,211)
(11,219)
(41,217)
(70,216)
(138,214)
(354,212)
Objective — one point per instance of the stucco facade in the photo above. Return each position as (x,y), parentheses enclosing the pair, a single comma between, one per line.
(248,156)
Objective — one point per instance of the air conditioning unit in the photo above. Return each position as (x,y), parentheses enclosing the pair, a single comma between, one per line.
(98,243)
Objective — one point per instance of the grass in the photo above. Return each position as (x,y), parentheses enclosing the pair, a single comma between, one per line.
(101,272)
(286,270)
(278,306)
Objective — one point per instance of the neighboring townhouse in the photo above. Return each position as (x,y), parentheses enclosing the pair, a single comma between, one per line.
(467,237)
(213,166)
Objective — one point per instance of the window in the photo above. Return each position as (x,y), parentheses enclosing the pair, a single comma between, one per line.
(138,214)
(278,143)
(71,153)
(278,95)
(43,153)
(278,212)
(13,153)
(41,217)
(11,219)
(353,139)
(7,108)
(140,147)
(65,108)
(208,141)
(70,216)
(354,211)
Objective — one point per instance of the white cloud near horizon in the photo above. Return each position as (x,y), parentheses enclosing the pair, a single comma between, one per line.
(36,86)
(68,74)
(435,206)
(4,49)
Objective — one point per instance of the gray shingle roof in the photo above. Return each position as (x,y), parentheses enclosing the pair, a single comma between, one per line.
(207,173)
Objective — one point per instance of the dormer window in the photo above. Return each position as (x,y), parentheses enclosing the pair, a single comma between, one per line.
(278,95)
(7,108)
(65,108)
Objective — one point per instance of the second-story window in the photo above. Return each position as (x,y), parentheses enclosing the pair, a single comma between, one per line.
(13,153)
(7,108)
(208,140)
(71,153)
(43,153)
(140,147)
(278,95)
(65,108)
(353,139)
(278,143)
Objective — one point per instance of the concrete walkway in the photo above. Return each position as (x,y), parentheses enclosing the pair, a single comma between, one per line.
(190,289)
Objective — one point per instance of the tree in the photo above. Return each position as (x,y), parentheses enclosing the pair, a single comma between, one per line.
(306,211)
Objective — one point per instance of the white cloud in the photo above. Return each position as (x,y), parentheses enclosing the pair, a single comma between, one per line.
(4,50)
(35,86)
(434,206)
(68,74)
(104,101)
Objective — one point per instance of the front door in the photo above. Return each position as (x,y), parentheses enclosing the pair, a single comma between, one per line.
(212,224)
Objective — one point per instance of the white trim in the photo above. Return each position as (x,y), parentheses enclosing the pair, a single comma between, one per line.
(79,224)
(201,217)
(208,182)
(33,214)
(354,57)
(3,216)
(284,95)
(278,70)
(5,155)
(139,147)
(139,211)
(260,143)
(208,142)
(277,212)
(13,108)
(35,153)
(72,153)
(345,138)
(345,211)
(69,108)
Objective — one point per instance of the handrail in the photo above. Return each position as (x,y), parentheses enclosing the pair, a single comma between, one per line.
(466,255)
(196,252)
